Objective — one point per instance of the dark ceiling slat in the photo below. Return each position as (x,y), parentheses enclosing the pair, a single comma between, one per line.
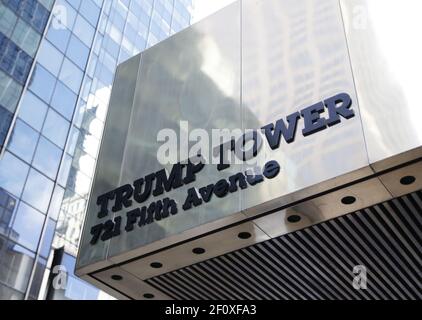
(282,267)
(207,278)
(239,280)
(388,266)
(230,285)
(395,260)
(350,254)
(330,265)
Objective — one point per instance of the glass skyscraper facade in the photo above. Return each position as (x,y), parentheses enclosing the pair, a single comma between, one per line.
(22,24)
(57,70)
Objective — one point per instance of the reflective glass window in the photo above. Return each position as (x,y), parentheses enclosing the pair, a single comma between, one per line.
(75,3)
(73,140)
(7,21)
(80,290)
(69,263)
(7,293)
(33,110)
(36,283)
(35,14)
(13,60)
(124,55)
(10,92)
(111,46)
(47,158)
(78,52)
(89,143)
(64,170)
(79,113)
(47,3)
(8,206)
(15,268)
(56,128)
(56,201)
(27,226)
(92,65)
(50,58)
(13,172)
(58,36)
(90,11)
(71,75)
(86,88)
(84,31)
(37,192)
(92,125)
(6,118)
(23,141)
(47,238)
(78,182)
(64,100)
(42,83)
(84,162)
(65,15)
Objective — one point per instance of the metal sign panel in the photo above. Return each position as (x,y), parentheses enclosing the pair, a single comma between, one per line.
(275,66)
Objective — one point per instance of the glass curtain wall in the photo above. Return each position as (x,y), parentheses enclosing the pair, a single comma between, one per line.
(49,162)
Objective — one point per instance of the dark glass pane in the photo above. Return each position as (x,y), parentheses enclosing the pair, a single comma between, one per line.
(13,60)
(8,206)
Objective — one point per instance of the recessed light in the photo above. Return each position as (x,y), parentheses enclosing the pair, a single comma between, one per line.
(116,277)
(198,251)
(244,235)
(407,180)
(348,200)
(148,296)
(294,218)
(156,265)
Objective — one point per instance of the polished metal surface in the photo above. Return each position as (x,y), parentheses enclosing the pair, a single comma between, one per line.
(214,245)
(120,295)
(203,75)
(129,285)
(385,58)
(317,262)
(388,228)
(325,207)
(194,76)
(294,55)
(107,174)
(403,180)
(311,212)
(246,66)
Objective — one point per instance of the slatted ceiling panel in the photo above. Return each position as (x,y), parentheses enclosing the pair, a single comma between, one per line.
(317,262)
